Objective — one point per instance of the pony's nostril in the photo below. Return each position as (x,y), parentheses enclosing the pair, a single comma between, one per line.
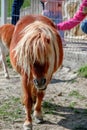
(36,82)
(39,82)
(43,81)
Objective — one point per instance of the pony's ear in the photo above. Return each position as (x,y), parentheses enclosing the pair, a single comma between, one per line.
(6,32)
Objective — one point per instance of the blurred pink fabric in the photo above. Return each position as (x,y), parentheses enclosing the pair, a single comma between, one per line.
(78,17)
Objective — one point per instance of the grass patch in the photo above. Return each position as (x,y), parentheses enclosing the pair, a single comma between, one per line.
(76,94)
(10,109)
(49,108)
(72,105)
(83,71)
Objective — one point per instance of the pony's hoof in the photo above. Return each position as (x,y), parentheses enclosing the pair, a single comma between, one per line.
(39,120)
(7,76)
(27,127)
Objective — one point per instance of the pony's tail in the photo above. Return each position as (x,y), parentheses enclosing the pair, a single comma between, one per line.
(6,32)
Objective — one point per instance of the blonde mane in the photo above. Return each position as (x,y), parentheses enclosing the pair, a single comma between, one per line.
(38,43)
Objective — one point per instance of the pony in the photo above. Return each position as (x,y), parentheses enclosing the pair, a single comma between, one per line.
(36,52)
(4,34)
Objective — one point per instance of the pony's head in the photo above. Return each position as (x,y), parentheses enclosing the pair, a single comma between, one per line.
(39,52)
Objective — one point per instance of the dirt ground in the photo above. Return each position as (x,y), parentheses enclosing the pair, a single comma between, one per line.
(64,105)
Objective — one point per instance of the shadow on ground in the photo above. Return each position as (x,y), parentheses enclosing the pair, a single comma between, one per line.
(72,118)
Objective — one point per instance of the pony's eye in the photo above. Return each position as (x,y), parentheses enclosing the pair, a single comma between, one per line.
(35,82)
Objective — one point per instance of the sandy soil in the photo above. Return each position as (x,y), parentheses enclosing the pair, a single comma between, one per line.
(64,105)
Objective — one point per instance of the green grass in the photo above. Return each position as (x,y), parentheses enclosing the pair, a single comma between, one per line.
(72,105)
(8,62)
(76,94)
(83,71)
(49,108)
(10,110)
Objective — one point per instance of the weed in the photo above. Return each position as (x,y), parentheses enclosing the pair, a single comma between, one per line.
(72,105)
(76,94)
(83,71)
(8,61)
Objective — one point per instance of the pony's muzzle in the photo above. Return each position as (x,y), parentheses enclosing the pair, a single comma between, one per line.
(40,83)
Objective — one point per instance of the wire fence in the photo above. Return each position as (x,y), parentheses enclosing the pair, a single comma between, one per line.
(69,8)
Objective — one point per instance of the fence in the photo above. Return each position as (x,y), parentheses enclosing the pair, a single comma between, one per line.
(33,7)
(69,9)
(76,40)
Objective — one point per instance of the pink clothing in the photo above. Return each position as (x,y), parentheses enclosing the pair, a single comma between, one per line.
(78,17)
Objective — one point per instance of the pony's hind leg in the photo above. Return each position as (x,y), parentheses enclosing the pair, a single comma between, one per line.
(5,69)
(3,61)
(37,108)
(27,103)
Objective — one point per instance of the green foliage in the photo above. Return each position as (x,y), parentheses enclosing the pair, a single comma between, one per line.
(9,6)
(26,4)
(83,71)
(8,61)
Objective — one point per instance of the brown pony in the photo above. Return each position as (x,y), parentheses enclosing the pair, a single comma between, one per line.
(4,37)
(36,53)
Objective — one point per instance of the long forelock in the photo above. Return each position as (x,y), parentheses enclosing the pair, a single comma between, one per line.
(33,46)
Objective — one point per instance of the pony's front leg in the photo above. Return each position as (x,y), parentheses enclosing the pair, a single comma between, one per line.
(28,104)
(37,108)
